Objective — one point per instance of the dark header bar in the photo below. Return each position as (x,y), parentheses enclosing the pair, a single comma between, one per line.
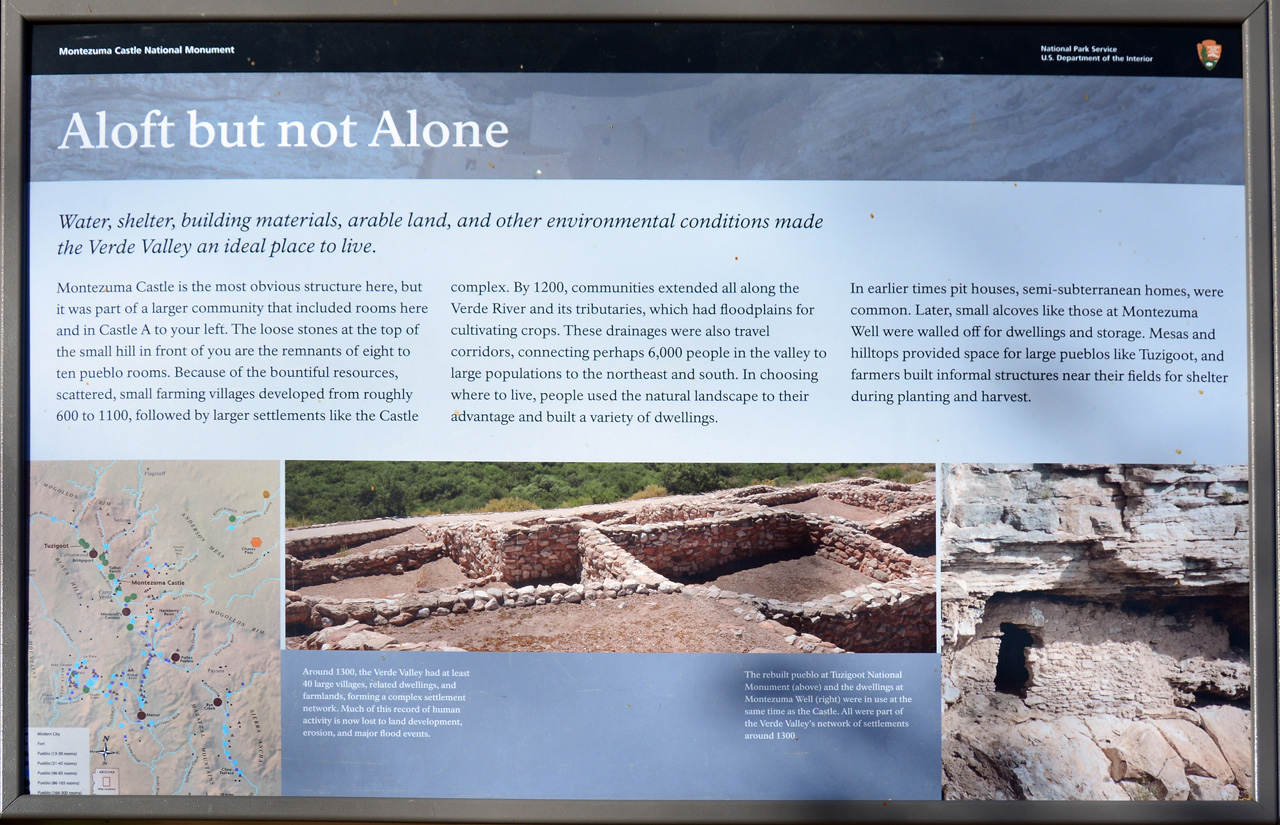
(819,48)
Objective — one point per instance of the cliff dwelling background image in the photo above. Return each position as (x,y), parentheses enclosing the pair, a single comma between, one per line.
(846,564)
(1095,630)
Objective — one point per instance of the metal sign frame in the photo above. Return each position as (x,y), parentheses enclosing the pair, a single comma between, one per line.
(1260,27)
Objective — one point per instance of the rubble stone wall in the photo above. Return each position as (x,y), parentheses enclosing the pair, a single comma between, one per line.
(913,530)
(473,545)
(1133,663)
(592,553)
(896,617)
(512,553)
(516,553)
(885,496)
(906,622)
(537,552)
(312,546)
(548,549)
(396,559)
(863,553)
(868,493)
(686,548)
(603,559)
(662,512)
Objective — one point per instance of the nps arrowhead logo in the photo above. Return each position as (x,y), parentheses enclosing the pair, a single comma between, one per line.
(1209,52)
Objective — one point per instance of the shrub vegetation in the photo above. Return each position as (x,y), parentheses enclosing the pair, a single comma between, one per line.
(324,491)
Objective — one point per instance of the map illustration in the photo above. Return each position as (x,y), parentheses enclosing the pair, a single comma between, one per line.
(154,600)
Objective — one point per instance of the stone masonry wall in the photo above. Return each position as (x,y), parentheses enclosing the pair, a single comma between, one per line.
(522,553)
(580,554)
(904,621)
(684,548)
(868,493)
(515,553)
(386,560)
(538,552)
(473,545)
(1134,664)
(603,559)
(913,530)
(885,496)
(663,512)
(305,548)
(863,553)
(894,617)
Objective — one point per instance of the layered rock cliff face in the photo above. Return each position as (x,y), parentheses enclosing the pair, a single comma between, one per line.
(1095,632)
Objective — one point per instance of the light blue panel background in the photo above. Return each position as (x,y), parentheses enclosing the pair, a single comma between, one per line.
(618,726)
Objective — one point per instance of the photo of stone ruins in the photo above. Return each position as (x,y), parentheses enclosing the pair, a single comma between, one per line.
(828,567)
(1095,631)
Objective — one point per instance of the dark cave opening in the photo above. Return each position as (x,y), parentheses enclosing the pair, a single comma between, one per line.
(1012,675)
(1205,698)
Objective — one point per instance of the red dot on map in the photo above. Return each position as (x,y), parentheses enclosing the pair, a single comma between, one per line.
(255,541)
(217,703)
(175,657)
(141,716)
(125,611)
(266,494)
(93,554)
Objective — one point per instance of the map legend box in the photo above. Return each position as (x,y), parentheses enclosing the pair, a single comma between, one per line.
(59,760)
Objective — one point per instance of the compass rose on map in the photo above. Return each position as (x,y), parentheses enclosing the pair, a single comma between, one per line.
(104,750)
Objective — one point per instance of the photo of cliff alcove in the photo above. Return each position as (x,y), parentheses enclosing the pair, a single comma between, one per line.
(693,560)
(1095,632)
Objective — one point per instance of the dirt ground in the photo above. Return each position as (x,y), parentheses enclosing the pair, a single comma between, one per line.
(365,587)
(410,536)
(439,573)
(792,580)
(799,579)
(443,572)
(824,506)
(651,623)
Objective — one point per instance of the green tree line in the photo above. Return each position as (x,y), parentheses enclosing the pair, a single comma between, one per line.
(324,491)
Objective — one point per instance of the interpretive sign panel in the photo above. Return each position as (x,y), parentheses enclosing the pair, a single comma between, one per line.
(822,412)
